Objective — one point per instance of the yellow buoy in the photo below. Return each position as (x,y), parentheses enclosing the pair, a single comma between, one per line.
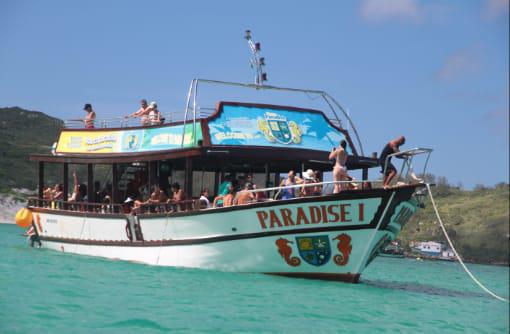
(24,218)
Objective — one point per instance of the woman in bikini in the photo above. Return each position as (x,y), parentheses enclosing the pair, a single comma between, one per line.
(339,170)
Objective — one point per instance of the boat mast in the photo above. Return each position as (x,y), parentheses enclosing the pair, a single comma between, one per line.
(256,61)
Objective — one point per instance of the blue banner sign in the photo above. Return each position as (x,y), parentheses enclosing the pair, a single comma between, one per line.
(274,126)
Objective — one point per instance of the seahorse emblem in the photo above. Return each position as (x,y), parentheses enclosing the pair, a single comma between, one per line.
(344,247)
(286,252)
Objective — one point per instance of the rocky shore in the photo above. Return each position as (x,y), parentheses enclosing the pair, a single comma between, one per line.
(10,203)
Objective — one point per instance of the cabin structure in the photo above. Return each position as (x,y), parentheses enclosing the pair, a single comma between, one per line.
(261,139)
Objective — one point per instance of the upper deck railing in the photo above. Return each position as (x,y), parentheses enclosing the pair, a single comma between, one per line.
(192,112)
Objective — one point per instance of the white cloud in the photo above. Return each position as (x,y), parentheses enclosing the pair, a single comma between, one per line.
(495,8)
(383,10)
(460,63)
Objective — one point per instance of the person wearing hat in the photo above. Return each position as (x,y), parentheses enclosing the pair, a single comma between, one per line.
(154,115)
(91,116)
(308,177)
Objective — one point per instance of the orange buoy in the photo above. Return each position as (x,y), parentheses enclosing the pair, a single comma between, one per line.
(24,218)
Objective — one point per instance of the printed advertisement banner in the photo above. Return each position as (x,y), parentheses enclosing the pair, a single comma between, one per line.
(259,126)
(127,141)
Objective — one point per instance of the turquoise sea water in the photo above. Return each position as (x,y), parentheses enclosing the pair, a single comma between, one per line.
(43,291)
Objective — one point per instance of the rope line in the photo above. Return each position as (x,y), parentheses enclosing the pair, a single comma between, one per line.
(457,254)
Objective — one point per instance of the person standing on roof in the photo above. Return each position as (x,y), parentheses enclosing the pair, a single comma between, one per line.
(339,169)
(143,112)
(91,116)
(154,117)
(390,148)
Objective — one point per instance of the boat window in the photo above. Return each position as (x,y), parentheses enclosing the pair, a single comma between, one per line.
(202,180)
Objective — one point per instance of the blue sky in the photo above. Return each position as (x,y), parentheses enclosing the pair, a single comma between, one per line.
(434,71)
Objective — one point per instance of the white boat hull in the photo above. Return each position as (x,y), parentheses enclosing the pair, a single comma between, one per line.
(328,237)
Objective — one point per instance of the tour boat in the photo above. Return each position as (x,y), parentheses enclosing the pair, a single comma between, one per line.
(325,235)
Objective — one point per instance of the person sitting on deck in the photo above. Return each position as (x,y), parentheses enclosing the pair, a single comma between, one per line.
(107,204)
(204,199)
(57,195)
(46,192)
(340,169)
(260,196)
(224,186)
(91,116)
(226,200)
(137,206)
(390,148)
(308,178)
(157,196)
(245,196)
(143,112)
(291,180)
(154,117)
(317,190)
(98,193)
(177,195)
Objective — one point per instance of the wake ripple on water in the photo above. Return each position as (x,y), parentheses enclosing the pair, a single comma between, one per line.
(423,288)
(137,323)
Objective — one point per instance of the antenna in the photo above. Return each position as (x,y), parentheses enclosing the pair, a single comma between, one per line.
(256,61)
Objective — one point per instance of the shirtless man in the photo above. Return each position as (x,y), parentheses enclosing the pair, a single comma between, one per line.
(245,196)
(390,148)
(340,169)
(143,112)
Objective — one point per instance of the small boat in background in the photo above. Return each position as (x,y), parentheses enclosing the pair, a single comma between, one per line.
(433,250)
(392,249)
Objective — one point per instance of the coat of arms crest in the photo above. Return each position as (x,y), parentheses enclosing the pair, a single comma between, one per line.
(315,250)
(276,128)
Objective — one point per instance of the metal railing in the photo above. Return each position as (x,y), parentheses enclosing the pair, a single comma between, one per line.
(106,208)
(121,121)
(169,207)
(408,156)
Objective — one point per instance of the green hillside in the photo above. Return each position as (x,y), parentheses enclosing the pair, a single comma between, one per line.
(477,222)
(23,132)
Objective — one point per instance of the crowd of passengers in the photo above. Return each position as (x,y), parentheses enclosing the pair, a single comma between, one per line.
(138,199)
(148,114)
(231,192)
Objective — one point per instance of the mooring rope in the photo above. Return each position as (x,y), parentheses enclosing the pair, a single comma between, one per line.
(457,254)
